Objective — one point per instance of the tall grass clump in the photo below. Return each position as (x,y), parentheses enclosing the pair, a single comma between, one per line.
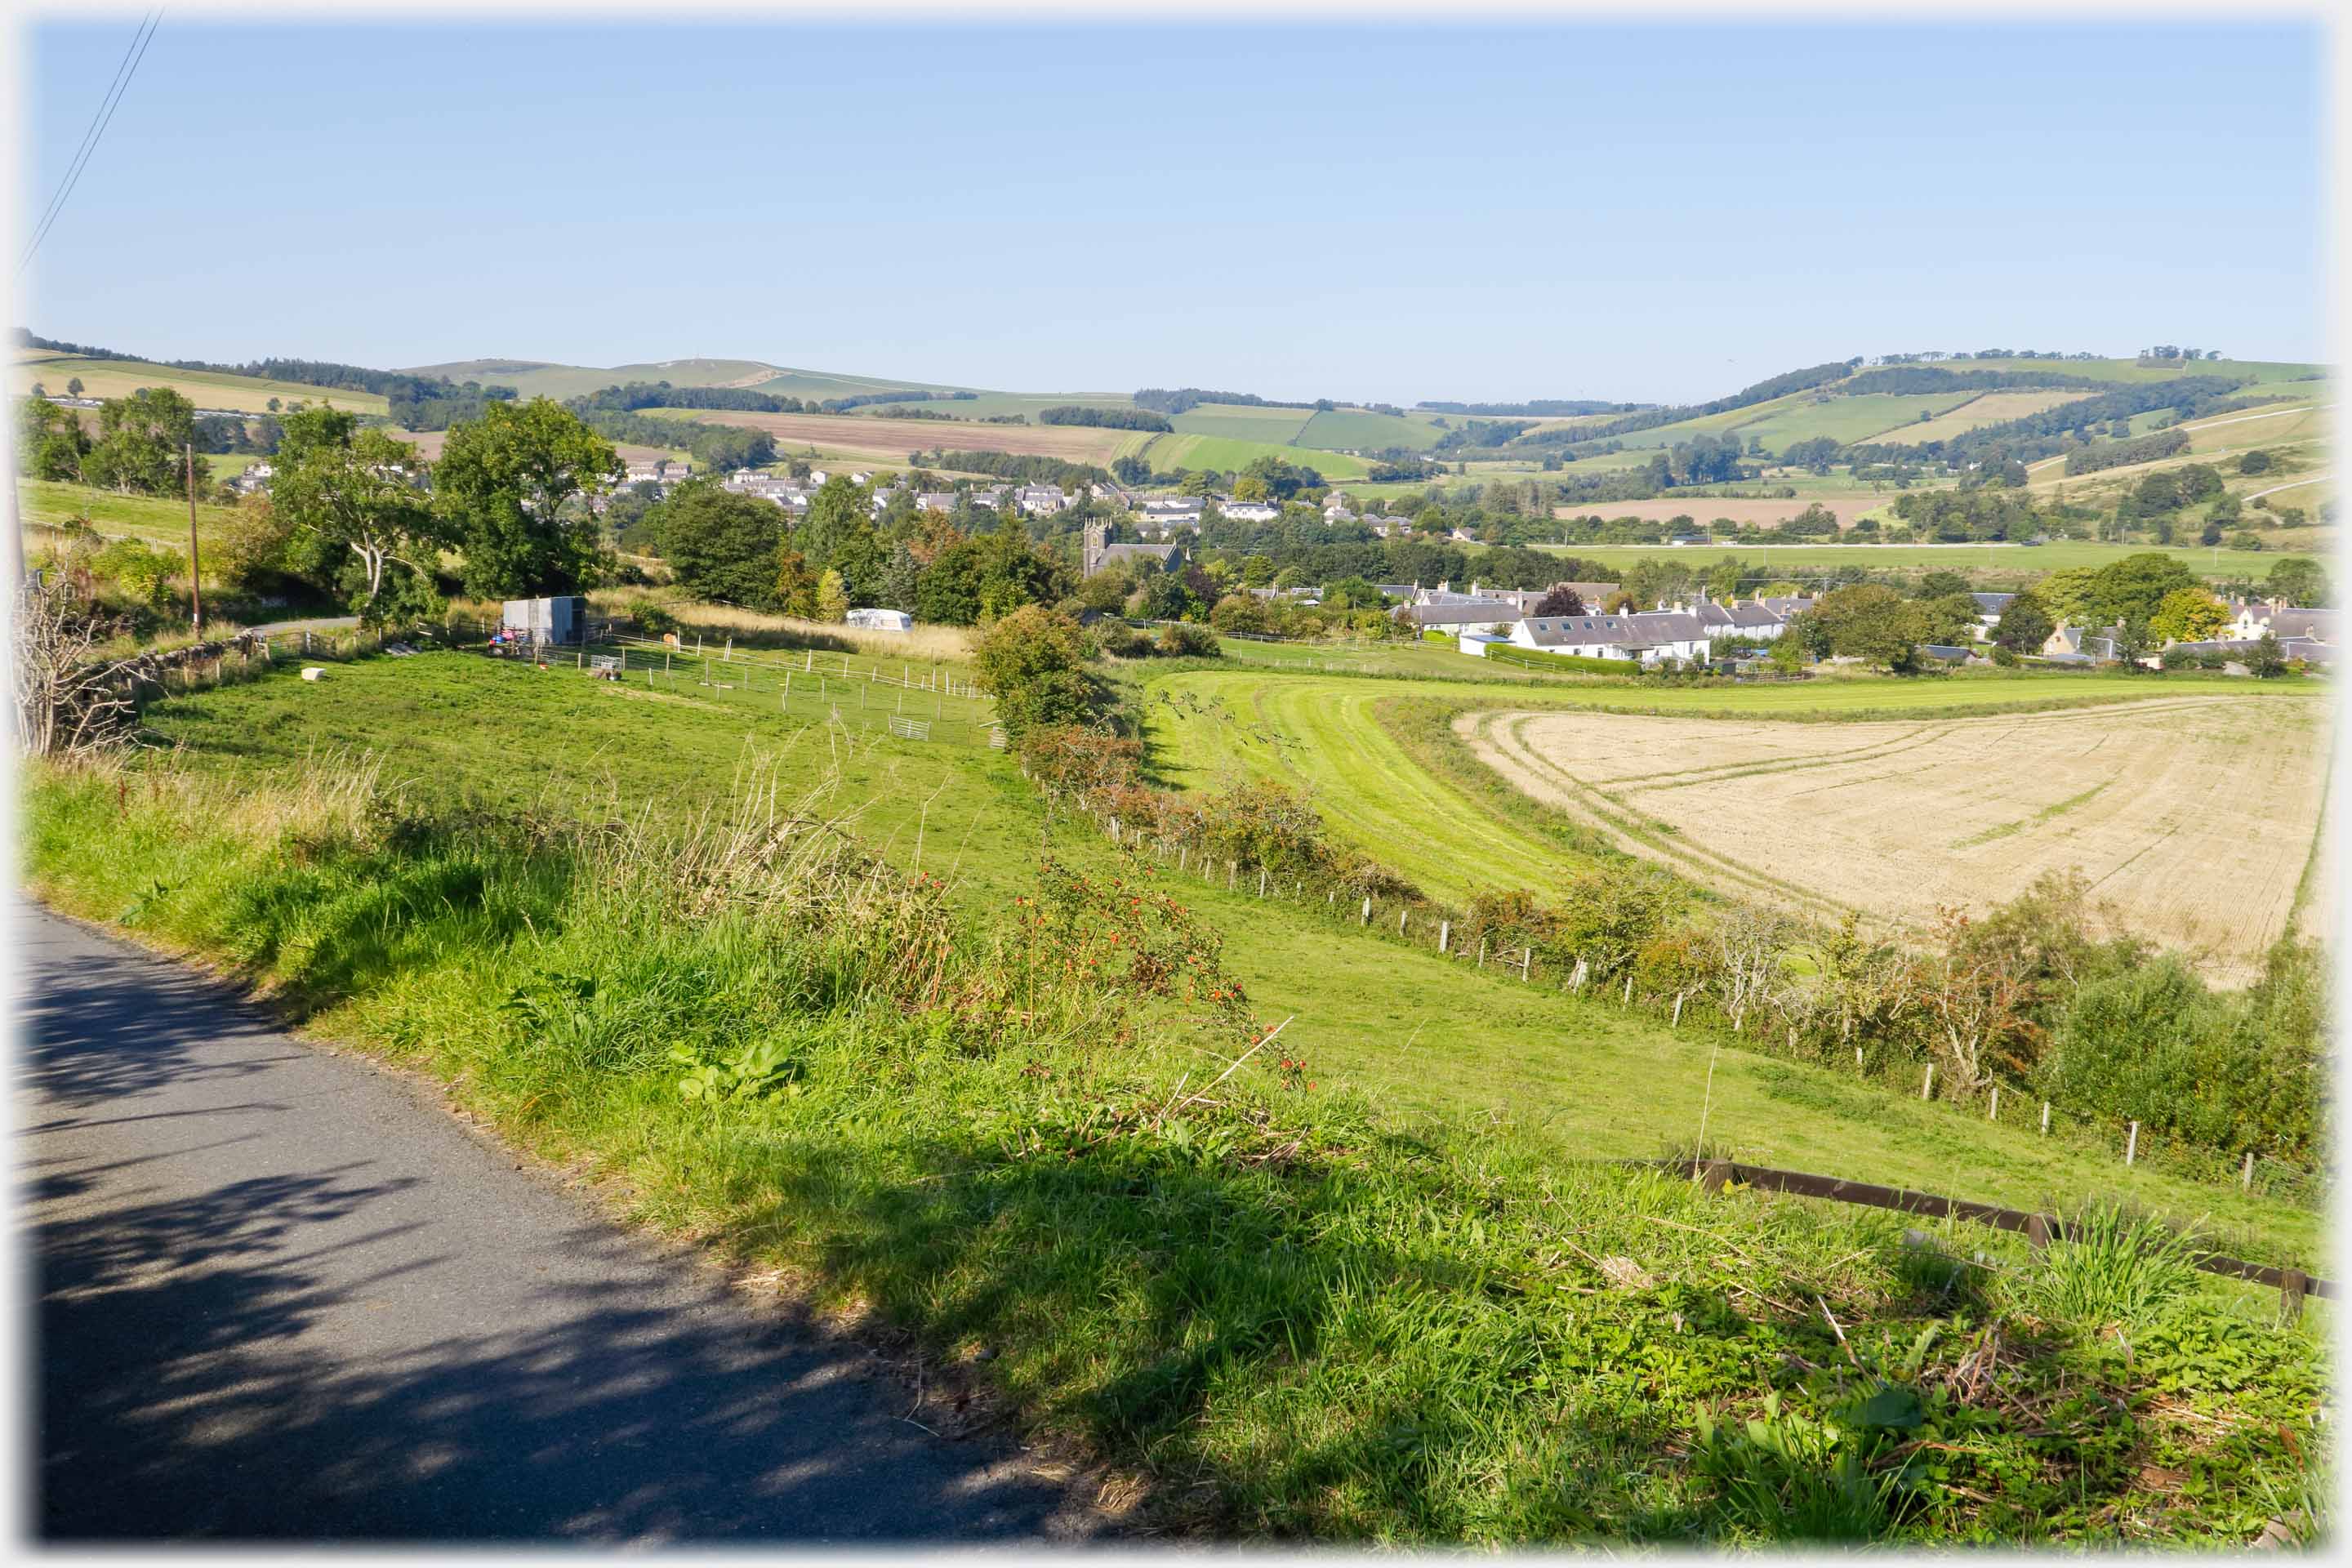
(2115,1266)
(1056,1133)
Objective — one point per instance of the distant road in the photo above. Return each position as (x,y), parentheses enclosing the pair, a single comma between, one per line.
(2292,485)
(285,1296)
(312,623)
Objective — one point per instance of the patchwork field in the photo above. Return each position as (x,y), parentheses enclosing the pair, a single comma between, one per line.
(2197,816)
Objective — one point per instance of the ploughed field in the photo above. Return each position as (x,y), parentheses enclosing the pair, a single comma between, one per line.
(2196,816)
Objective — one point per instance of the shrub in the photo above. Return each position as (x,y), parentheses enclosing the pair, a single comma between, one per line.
(1066,760)
(1185,640)
(1033,663)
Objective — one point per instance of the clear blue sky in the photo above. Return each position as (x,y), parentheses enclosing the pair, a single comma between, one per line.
(1397,213)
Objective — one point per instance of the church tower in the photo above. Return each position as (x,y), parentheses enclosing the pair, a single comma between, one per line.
(1096,541)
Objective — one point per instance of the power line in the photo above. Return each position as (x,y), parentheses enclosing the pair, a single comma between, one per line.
(97,133)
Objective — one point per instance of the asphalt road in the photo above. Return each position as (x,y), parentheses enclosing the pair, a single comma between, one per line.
(283,1295)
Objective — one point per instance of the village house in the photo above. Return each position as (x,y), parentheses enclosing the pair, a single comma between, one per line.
(1750,621)
(1250,511)
(1989,611)
(1173,512)
(2281,621)
(1043,500)
(1648,637)
(2083,644)
(1099,552)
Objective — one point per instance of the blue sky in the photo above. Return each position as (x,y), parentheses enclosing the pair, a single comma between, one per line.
(1397,213)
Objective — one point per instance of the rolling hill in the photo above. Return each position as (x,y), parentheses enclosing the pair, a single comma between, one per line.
(204,388)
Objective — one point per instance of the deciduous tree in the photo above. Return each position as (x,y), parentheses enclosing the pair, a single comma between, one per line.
(512,485)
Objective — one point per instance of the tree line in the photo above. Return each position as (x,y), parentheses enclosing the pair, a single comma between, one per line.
(1173,401)
(1107,418)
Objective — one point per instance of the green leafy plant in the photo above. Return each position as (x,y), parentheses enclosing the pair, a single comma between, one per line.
(760,1069)
(1784,1477)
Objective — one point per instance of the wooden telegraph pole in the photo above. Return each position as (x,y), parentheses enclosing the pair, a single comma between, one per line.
(196,564)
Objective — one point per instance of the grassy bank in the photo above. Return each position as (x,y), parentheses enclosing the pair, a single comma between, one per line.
(1293,1312)
(1423,1034)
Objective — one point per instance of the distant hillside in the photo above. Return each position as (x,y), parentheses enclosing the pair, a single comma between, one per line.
(204,388)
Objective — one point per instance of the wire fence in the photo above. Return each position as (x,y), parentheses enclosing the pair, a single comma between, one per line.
(1416,923)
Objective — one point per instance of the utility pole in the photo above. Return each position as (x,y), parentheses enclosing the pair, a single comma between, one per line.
(196,564)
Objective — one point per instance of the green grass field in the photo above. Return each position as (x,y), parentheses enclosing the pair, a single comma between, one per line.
(1242,422)
(1599,1079)
(45,504)
(1360,429)
(1384,1291)
(1168,453)
(205,389)
(1846,419)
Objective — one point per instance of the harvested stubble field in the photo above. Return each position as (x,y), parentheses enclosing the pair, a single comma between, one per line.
(2196,816)
(891,439)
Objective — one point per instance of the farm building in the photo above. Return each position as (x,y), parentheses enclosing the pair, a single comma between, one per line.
(882,620)
(561,619)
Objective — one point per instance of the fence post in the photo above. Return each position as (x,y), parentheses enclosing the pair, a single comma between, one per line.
(2131,1144)
(1444,934)
(1401,916)
(1233,870)
(1368,909)
(1927,1086)
(1678,1012)
(1629,991)
(2246,1182)
(2293,1284)
(1994,1114)
(1857,1058)
(2045,1118)
(1526,958)
(1261,882)
(1482,952)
